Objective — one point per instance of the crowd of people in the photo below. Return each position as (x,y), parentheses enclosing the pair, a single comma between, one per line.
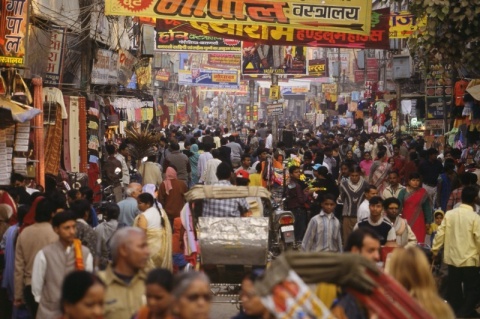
(349,192)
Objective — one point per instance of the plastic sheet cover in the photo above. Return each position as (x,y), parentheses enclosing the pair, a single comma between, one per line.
(233,241)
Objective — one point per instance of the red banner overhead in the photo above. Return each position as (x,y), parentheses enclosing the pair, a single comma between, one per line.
(378,38)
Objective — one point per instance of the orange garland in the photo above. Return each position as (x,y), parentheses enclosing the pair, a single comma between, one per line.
(77,249)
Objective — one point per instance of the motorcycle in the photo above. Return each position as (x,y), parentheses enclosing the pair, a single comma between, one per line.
(282,228)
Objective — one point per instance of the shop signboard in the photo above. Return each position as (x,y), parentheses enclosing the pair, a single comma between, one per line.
(162,76)
(175,40)
(438,89)
(353,16)
(13,32)
(227,79)
(372,75)
(104,70)
(55,56)
(329,88)
(404,24)
(273,59)
(282,35)
(275,109)
(344,62)
(434,124)
(318,67)
(224,60)
(125,64)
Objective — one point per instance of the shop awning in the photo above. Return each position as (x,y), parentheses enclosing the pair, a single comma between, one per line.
(17,111)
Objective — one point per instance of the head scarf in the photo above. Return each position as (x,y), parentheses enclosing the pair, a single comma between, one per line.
(169,175)
(5,198)
(149,188)
(5,213)
(29,219)
(195,156)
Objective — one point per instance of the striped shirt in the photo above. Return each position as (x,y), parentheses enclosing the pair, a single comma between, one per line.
(323,234)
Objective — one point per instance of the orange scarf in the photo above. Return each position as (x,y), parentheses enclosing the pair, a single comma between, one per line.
(77,249)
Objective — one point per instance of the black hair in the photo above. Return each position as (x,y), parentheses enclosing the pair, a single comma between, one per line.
(224,171)
(148,198)
(80,207)
(63,217)
(393,171)
(174,146)
(87,192)
(308,155)
(161,277)
(355,169)
(449,165)
(433,151)
(240,181)
(357,237)
(17,177)
(207,147)
(73,193)
(469,194)
(328,197)
(375,200)
(223,141)
(110,149)
(112,211)
(391,200)
(258,168)
(75,286)
(44,210)
(293,168)
(244,156)
(22,211)
(122,146)
(438,213)
(369,187)
(59,199)
(231,138)
(414,175)
(216,153)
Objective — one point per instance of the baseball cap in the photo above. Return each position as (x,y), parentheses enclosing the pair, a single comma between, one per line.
(242,174)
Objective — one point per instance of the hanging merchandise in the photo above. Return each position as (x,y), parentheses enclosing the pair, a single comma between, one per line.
(459,91)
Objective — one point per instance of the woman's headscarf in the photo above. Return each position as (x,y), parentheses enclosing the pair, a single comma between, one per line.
(149,188)
(5,213)
(169,175)
(29,219)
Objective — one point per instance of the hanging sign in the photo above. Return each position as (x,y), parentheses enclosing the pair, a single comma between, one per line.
(55,56)
(404,25)
(275,109)
(274,92)
(13,32)
(318,67)
(174,40)
(227,79)
(104,70)
(351,16)
(224,59)
(273,59)
(281,35)
(125,63)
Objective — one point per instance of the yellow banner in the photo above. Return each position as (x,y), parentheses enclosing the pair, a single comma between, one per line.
(224,78)
(404,24)
(353,16)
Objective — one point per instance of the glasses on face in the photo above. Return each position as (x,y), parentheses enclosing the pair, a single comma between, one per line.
(195,297)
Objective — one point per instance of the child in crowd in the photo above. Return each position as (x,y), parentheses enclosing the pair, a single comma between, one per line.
(323,231)
(438,217)
(256,179)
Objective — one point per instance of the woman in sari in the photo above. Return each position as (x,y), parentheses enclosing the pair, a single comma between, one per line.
(379,170)
(154,221)
(416,208)
(194,165)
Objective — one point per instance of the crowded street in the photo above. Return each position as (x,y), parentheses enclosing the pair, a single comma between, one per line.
(239,159)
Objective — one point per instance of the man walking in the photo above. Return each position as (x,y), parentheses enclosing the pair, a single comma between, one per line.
(459,234)
(29,242)
(56,260)
(125,277)
(129,206)
(112,177)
